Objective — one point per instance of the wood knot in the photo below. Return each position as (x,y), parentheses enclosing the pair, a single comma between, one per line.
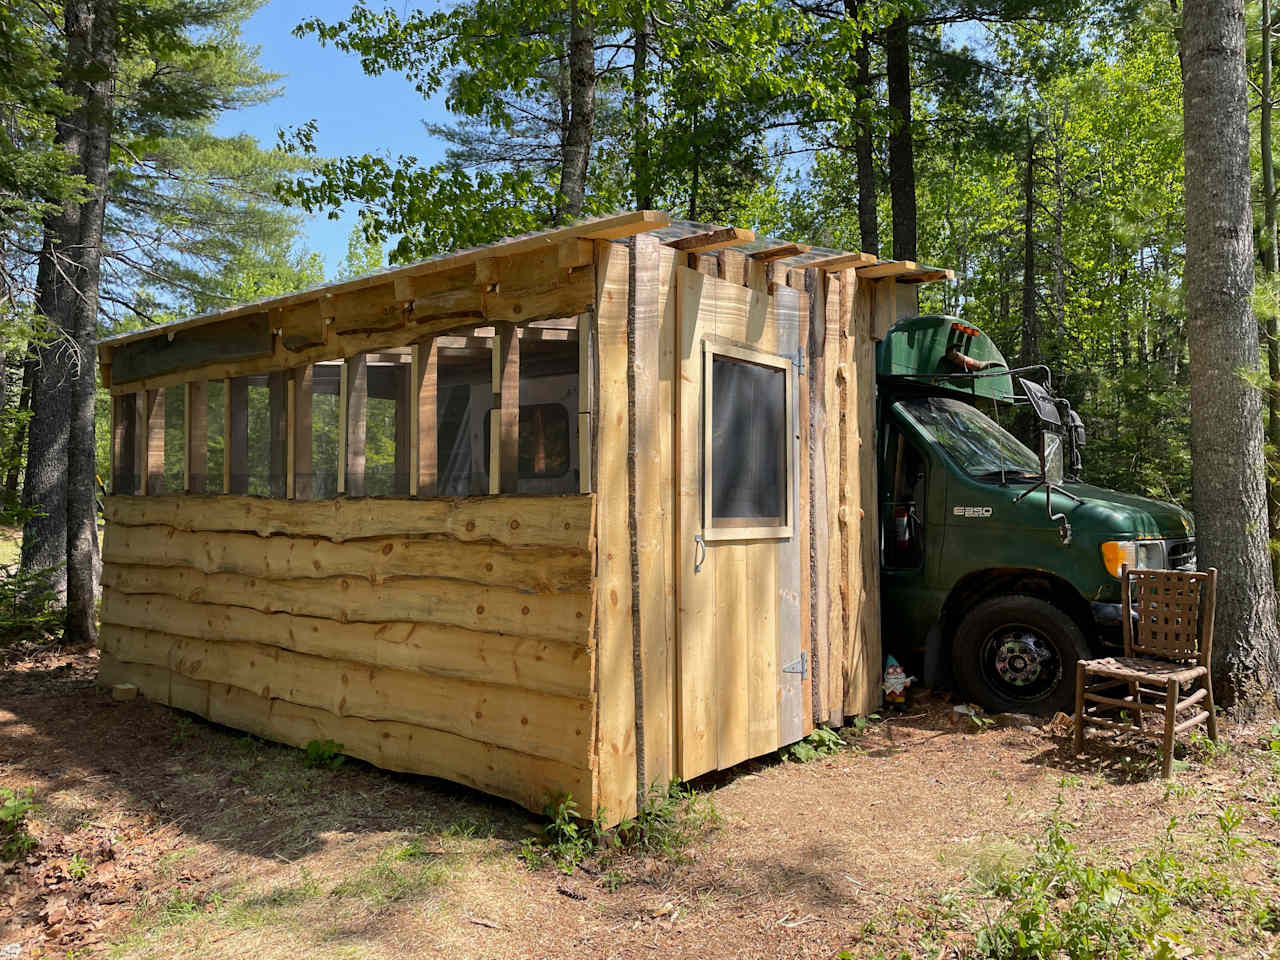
(387,548)
(471,525)
(515,524)
(525,611)
(479,609)
(524,721)
(488,566)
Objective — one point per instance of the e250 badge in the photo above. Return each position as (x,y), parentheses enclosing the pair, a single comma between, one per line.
(979,512)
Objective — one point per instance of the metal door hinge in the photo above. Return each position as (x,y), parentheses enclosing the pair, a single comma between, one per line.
(798,361)
(800,666)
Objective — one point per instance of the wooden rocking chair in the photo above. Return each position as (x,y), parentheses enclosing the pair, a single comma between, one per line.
(1167,645)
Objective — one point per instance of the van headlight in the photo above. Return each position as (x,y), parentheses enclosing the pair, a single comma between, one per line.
(1138,554)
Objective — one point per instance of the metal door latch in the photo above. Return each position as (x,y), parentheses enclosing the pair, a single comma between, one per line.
(699,552)
(800,666)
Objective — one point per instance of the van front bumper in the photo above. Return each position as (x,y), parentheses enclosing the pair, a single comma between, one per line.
(1109,619)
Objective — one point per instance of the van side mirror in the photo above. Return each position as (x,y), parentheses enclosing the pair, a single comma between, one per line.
(1051,457)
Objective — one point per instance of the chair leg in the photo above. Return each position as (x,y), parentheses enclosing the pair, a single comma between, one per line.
(1212,722)
(1136,692)
(1077,743)
(1170,720)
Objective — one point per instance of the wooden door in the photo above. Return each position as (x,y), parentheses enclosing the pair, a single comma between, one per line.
(740,614)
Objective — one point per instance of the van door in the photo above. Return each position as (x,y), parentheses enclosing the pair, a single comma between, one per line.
(739,612)
(904,534)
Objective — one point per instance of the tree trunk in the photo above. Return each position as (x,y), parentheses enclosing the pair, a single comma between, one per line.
(582,108)
(1271,264)
(1228,485)
(67,293)
(864,147)
(642,179)
(902,165)
(1030,325)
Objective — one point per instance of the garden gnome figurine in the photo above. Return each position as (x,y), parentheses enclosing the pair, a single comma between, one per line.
(895,684)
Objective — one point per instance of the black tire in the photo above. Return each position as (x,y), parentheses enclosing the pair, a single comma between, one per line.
(1017,654)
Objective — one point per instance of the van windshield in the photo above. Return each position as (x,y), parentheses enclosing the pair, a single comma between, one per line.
(981,447)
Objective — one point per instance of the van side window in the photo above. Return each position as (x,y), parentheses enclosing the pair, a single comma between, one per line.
(904,527)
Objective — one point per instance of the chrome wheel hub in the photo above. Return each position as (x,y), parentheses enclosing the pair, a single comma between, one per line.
(1021,657)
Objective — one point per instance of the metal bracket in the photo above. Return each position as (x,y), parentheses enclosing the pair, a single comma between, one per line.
(800,666)
(798,361)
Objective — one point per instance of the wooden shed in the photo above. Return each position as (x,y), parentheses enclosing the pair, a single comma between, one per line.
(572,513)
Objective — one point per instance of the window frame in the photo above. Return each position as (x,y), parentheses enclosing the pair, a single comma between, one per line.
(742,528)
(486,431)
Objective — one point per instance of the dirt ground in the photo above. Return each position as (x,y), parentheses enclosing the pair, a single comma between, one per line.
(162,835)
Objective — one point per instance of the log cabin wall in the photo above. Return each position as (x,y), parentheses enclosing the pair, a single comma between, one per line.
(442,637)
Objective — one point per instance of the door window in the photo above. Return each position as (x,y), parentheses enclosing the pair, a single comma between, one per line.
(904,527)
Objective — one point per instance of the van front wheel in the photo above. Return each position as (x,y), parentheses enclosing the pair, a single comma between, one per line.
(1017,654)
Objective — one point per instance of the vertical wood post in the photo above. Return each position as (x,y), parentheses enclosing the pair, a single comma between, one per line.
(300,433)
(586,399)
(196,436)
(423,379)
(139,446)
(406,400)
(154,470)
(235,471)
(123,439)
(355,415)
(504,422)
(277,433)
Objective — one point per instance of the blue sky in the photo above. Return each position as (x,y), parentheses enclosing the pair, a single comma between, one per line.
(353,113)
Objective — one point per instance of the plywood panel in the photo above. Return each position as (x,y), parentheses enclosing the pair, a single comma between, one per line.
(564,522)
(616,693)
(549,666)
(376,559)
(346,599)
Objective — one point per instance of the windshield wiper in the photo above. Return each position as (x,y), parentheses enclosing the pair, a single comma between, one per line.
(1007,475)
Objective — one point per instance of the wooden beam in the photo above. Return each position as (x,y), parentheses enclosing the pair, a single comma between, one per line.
(343,386)
(927,276)
(504,422)
(355,415)
(842,261)
(236,445)
(712,240)
(780,252)
(154,478)
(300,396)
(406,398)
(890,268)
(196,439)
(424,472)
(586,401)
(278,433)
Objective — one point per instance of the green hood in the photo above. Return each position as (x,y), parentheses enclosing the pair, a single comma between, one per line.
(1127,513)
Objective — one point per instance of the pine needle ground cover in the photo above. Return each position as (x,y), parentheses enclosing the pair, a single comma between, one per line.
(924,835)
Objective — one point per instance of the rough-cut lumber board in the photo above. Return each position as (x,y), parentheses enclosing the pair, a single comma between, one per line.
(196,437)
(652,479)
(564,521)
(851,655)
(405,398)
(372,308)
(586,400)
(277,433)
(504,450)
(565,299)
(303,326)
(712,240)
(550,666)
(235,457)
(424,409)
(821,512)
(302,471)
(733,266)
(865,697)
(614,642)
(890,268)
(544,725)
(733,634)
(696,592)
(780,252)
(355,414)
(842,261)
(927,276)
(562,616)
(152,682)
(539,569)
(837,452)
(239,339)
(884,305)
(153,475)
(526,779)
(667,375)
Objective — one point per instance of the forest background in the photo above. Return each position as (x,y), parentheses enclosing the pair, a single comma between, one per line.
(1035,147)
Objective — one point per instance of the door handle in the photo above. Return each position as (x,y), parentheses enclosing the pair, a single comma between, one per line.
(699,559)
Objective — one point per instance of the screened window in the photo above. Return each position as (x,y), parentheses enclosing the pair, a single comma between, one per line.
(748,428)
(544,440)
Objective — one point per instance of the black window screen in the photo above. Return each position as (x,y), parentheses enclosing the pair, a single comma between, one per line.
(544,440)
(748,442)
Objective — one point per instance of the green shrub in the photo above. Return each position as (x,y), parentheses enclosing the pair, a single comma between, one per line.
(29,610)
(325,754)
(15,806)
(821,743)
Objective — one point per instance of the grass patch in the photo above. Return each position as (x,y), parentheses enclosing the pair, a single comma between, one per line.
(399,873)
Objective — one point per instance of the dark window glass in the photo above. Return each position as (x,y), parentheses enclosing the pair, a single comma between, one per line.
(544,440)
(748,441)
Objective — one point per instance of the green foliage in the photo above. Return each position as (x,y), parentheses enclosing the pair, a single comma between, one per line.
(29,611)
(325,754)
(78,867)
(567,839)
(15,807)
(823,742)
